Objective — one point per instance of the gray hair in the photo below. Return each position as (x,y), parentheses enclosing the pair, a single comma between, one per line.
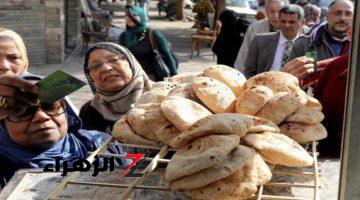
(268,2)
(293,9)
(338,1)
(312,9)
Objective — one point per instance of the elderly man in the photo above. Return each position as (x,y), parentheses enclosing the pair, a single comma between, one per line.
(270,51)
(271,24)
(328,39)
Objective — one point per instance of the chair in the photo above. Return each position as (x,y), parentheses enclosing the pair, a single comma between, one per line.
(201,36)
(93,26)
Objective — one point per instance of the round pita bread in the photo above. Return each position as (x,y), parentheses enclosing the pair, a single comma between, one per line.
(238,158)
(214,94)
(306,115)
(252,100)
(124,133)
(277,81)
(263,125)
(313,103)
(182,113)
(155,95)
(201,154)
(279,149)
(280,106)
(239,185)
(148,121)
(185,77)
(304,133)
(163,84)
(184,90)
(231,77)
(225,123)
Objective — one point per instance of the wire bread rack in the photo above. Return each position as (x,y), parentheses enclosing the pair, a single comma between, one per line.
(310,172)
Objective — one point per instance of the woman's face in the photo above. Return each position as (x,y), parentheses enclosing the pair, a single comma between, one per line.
(128,21)
(11,62)
(38,128)
(109,71)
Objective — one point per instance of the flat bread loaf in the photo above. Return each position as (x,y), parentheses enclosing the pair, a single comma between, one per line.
(214,94)
(185,77)
(224,123)
(155,95)
(201,154)
(280,106)
(184,90)
(303,133)
(182,113)
(279,149)
(306,115)
(263,125)
(238,158)
(252,100)
(231,77)
(239,185)
(277,81)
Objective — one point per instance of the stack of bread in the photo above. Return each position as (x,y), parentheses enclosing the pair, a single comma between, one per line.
(226,129)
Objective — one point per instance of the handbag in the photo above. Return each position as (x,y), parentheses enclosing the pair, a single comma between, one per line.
(161,69)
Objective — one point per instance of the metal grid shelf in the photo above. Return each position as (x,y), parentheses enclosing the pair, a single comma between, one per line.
(136,184)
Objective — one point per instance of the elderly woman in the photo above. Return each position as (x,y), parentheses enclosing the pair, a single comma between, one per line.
(117,81)
(137,38)
(15,93)
(42,134)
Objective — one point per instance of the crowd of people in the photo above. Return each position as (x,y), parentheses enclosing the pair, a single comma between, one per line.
(32,134)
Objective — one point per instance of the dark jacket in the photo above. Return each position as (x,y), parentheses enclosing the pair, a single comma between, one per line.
(145,55)
(232,34)
(93,120)
(318,40)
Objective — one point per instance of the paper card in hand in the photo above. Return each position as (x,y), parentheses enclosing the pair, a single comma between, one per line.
(57,85)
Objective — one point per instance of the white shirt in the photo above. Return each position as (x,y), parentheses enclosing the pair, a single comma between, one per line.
(276,65)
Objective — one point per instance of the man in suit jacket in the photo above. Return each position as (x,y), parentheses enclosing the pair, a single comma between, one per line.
(269,51)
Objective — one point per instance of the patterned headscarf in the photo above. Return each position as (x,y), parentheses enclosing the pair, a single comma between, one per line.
(113,104)
(132,34)
(19,44)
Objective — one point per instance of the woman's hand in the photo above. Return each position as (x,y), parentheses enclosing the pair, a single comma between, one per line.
(300,67)
(16,94)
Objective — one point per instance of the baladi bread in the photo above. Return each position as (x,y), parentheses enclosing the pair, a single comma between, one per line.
(306,115)
(184,90)
(280,106)
(182,113)
(252,100)
(231,77)
(148,121)
(238,158)
(263,125)
(303,133)
(225,123)
(163,84)
(124,133)
(185,77)
(201,154)
(279,149)
(275,80)
(155,95)
(313,103)
(214,94)
(239,185)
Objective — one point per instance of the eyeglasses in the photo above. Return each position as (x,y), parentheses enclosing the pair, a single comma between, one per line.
(339,13)
(54,109)
(110,60)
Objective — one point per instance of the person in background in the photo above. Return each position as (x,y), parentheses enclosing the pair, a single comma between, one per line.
(270,24)
(42,134)
(302,3)
(95,10)
(270,51)
(202,8)
(330,90)
(233,29)
(329,38)
(323,14)
(312,15)
(137,39)
(117,80)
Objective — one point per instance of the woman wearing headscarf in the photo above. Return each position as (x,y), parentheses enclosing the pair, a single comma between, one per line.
(44,134)
(117,80)
(232,33)
(137,39)
(15,93)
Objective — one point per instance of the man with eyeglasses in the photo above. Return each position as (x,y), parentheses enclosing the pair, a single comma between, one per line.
(327,40)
